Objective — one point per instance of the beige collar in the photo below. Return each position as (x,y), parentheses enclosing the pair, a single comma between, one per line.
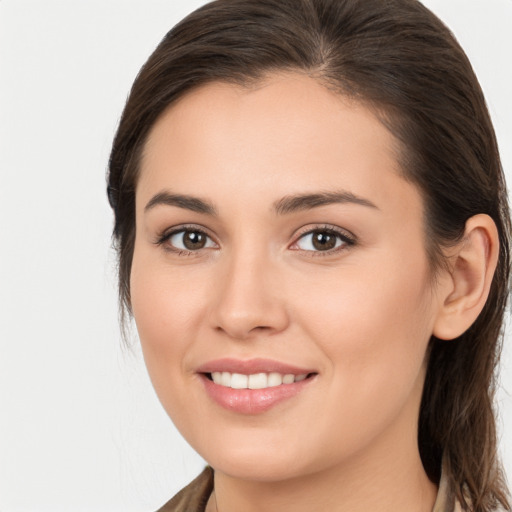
(445,501)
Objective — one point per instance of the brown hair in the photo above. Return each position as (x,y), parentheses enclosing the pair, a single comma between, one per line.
(398,58)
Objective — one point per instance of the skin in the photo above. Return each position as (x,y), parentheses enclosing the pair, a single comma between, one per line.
(360,315)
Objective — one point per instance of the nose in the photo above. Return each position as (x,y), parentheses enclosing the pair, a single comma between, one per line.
(249,298)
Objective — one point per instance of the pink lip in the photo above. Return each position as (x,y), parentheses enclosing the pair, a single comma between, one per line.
(251,401)
(247,367)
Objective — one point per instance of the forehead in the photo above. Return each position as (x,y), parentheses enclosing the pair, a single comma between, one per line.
(288,103)
(285,134)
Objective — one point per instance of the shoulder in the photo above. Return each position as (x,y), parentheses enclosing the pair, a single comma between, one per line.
(194,496)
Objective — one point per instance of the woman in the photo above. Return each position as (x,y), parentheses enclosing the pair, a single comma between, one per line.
(313,238)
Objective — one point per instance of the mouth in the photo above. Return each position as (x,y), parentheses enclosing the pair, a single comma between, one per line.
(255,380)
(254,386)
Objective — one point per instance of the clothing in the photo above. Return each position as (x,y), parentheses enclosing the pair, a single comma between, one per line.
(194,497)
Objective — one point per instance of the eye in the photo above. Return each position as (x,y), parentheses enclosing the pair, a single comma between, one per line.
(323,240)
(187,240)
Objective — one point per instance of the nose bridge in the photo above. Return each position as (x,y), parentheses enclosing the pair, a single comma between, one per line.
(248,298)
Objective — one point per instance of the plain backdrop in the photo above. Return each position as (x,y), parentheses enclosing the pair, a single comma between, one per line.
(80,426)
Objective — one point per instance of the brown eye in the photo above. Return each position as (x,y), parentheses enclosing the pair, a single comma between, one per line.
(323,240)
(193,240)
(190,240)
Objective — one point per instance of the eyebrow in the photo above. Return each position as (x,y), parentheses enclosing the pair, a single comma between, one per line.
(187,202)
(290,204)
(283,206)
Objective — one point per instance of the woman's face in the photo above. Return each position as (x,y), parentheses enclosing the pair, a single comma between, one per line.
(278,248)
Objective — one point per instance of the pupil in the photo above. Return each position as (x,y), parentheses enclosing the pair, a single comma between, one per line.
(194,240)
(324,241)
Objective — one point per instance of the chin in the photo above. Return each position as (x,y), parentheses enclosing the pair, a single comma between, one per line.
(263,469)
(257,460)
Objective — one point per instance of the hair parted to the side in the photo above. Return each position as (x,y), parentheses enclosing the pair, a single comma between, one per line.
(399,59)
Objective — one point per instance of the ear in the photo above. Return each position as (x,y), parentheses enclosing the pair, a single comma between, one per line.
(466,287)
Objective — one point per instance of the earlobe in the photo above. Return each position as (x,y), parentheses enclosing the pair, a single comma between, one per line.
(472,269)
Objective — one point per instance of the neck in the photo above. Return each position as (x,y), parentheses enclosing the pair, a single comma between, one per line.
(399,487)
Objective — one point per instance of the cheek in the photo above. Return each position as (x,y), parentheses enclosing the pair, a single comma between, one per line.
(167,310)
(165,299)
(374,330)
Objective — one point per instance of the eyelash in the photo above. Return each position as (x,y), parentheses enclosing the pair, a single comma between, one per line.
(164,237)
(347,240)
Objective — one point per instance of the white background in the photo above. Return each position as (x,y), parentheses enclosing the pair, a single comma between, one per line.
(80,426)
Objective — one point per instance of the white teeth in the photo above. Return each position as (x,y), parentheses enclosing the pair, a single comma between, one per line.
(275,379)
(226,379)
(239,381)
(258,381)
(255,380)
(288,378)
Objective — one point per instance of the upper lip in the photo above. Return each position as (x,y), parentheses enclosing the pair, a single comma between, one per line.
(251,366)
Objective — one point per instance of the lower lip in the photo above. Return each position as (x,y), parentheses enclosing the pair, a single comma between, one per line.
(252,401)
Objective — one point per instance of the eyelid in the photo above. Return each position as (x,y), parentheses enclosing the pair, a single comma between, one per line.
(167,233)
(348,238)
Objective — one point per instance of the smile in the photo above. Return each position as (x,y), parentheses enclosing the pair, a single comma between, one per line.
(255,380)
(253,386)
